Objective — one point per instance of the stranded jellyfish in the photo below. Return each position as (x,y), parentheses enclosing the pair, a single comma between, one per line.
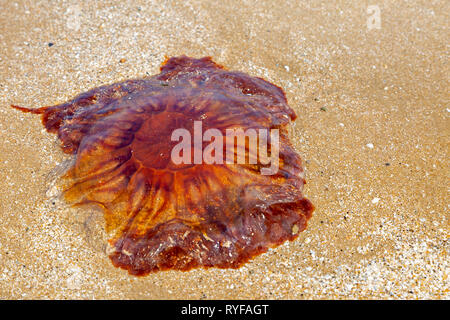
(168,200)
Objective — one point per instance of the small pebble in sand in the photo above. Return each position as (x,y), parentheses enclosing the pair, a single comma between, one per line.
(369,145)
(375,200)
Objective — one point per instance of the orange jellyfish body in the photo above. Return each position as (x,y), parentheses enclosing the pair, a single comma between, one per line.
(164,215)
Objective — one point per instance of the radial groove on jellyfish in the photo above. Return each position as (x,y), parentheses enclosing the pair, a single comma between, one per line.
(164,215)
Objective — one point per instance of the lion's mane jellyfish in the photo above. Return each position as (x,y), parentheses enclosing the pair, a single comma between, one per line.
(162,215)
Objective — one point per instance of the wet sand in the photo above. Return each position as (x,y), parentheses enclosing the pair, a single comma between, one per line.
(373,131)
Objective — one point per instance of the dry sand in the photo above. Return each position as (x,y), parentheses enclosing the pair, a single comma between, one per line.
(373,129)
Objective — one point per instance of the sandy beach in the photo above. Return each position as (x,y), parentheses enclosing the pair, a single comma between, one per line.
(369,86)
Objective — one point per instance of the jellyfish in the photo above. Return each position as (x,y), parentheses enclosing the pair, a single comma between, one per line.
(167,214)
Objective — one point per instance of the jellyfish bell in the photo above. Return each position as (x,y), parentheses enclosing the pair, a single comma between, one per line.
(188,210)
